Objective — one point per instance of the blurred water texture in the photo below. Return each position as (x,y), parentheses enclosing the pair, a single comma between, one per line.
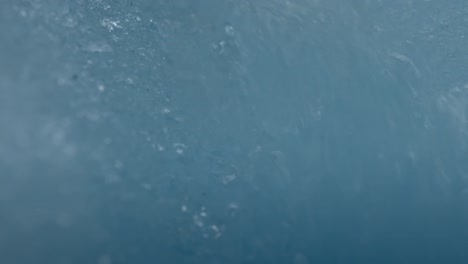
(233,131)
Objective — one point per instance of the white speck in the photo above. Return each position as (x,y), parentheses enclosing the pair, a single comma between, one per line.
(203,214)
(179,148)
(166,111)
(182,145)
(180,151)
(183,208)
(101,88)
(233,205)
(229,178)
(229,30)
(106,6)
(216,230)
(23,13)
(160,148)
(110,24)
(115,38)
(197,221)
(129,80)
(219,47)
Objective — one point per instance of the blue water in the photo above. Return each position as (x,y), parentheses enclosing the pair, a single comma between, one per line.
(222,131)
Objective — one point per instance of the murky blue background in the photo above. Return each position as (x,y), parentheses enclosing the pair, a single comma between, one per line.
(233,131)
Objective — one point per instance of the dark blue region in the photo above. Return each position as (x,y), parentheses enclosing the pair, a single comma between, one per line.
(221,131)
